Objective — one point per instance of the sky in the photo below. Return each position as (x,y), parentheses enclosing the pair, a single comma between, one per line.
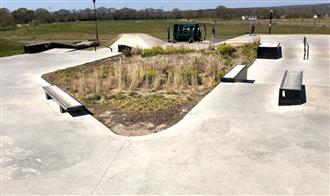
(53,5)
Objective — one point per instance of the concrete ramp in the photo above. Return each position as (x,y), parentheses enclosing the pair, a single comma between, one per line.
(137,40)
(244,39)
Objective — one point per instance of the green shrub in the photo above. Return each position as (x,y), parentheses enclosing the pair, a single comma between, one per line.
(157,50)
(172,92)
(152,51)
(189,73)
(132,94)
(157,96)
(226,50)
(149,74)
(93,97)
(218,75)
(250,50)
(118,96)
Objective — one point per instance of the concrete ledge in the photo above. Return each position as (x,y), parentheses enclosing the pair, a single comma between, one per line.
(291,91)
(40,47)
(65,101)
(237,74)
(269,51)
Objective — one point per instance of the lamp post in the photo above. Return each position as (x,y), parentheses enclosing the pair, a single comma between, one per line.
(96,31)
(270,22)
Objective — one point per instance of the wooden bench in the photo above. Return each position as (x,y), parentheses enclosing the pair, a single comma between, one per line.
(290,91)
(65,101)
(237,74)
(269,51)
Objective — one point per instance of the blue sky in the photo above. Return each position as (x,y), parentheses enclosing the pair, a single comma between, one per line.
(53,5)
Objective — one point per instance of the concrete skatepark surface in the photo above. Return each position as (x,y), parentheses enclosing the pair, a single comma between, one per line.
(237,140)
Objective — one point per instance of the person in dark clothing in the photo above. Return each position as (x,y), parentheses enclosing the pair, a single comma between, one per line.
(253,28)
(213,33)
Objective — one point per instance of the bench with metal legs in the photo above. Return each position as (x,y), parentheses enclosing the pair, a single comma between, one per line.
(65,101)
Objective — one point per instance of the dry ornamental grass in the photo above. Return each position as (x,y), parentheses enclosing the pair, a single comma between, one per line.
(146,93)
(162,72)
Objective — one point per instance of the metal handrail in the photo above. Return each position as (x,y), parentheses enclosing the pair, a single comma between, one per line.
(306,49)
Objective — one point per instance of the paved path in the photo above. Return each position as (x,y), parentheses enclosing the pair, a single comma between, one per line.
(235,141)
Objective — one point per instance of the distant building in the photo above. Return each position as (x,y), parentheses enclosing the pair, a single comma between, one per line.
(249,17)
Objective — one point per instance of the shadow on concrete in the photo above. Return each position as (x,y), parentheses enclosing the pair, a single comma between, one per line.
(249,81)
(81,112)
(303,95)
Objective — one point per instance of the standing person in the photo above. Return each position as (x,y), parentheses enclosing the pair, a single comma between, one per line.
(253,28)
(213,33)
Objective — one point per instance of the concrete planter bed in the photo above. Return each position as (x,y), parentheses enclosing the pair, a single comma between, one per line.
(142,95)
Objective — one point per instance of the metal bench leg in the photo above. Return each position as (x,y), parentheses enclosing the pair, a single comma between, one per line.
(307,51)
(62,109)
(47,96)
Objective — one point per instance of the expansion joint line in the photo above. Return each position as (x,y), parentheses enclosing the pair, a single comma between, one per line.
(108,167)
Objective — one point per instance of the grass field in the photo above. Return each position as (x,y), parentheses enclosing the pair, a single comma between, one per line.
(109,30)
(8,47)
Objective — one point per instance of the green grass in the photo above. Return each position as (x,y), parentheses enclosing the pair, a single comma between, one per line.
(8,47)
(292,29)
(69,31)
(109,30)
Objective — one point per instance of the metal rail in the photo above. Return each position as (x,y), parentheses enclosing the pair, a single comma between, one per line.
(306,49)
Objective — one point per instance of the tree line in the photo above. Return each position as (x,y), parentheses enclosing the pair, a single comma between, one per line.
(9,19)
